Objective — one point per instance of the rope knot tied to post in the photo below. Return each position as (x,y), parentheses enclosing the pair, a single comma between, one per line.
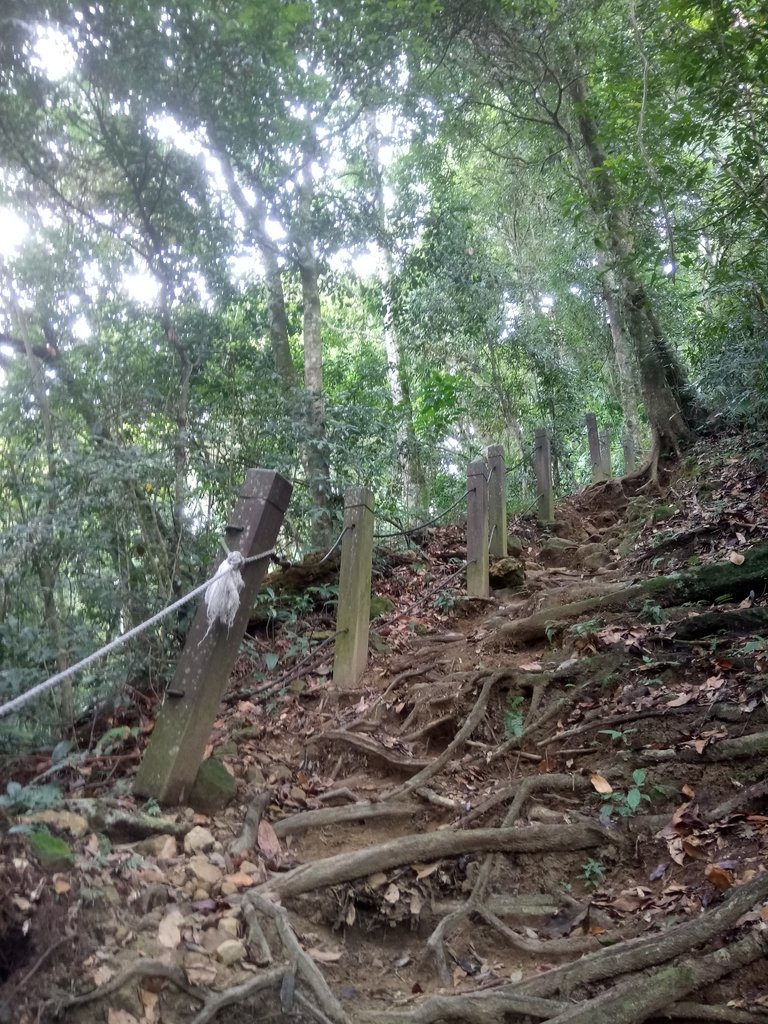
(222,598)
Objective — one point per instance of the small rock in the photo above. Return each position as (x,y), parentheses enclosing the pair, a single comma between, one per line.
(228,928)
(514,546)
(255,776)
(204,871)
(557,552)
(213,788)
(279,773)
(199,840)
(231,951)
(298,794)
(227,888)
(197,894)
(249,868)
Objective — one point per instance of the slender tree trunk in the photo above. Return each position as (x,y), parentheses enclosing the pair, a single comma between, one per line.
(626,364)
(416,488)
(46,559)
(255,217)
(669,402)
(316,462)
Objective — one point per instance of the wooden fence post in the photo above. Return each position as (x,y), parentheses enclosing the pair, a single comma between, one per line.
(628,447)
(477,531)
(352,620)
(605,453)
(595,457)
(543,464)
(183,726)
(497,501)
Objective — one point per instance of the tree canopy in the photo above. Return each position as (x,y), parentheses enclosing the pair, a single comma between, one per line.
(355,242)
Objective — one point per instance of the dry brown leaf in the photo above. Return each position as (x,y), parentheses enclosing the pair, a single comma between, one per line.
(688,791)
(719,877)
(678,702)
(149,1004)
(392,895)
(240,879)
(600,783)
(200,974)
(425,870)
(736,557)
(120,1017)
(102,975)
(324,956)
(61,884)
(169,931)
(268,842)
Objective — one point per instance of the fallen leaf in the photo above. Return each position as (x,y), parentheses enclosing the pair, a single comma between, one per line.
(601,784)
(168,931)
(120,1017)
(392,895)
(678,702)
(201,974)
(719,877)
(531,666)
(102,975)
(61,884)
(149,1004)
(268,842)
(425,870)
(736,557)
(324,956)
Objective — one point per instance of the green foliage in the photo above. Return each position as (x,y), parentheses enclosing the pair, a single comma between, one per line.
(513,717)
(626,802)
(592,873)
(18,798)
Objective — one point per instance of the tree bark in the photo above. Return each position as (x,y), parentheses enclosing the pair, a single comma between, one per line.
(316,462)
(670,405)
(415,484)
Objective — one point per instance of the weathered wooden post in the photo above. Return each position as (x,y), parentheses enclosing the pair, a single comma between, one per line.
(478,584)
(497,502)
(183,726)
(353,616)
(543,465)
(605,453)
(595,456)
(628,447)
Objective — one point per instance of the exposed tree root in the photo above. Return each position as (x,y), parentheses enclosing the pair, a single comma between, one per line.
(371,748)
(145,968)
(652,950)
(304,965)
(247,839)
(344,867)
(477,1008)
(696,1012)
(472,721)
(720,750)
(325,816)
(703,583)
(639,998)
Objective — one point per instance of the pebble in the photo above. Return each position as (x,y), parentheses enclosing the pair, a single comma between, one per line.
(198,840)
(231,951)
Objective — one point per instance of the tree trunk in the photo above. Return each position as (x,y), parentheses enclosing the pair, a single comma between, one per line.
(316,462)
(45,558)
(626,364)
(415,481)
(670,406)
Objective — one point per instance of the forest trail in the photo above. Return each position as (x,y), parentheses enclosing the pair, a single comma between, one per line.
(489,828)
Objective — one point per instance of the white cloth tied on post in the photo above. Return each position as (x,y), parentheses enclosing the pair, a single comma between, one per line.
(222,598)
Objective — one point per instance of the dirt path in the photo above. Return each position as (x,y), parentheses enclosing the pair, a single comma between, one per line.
(481,832)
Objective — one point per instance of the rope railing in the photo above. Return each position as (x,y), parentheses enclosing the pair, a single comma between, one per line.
(422,526)
(230,565)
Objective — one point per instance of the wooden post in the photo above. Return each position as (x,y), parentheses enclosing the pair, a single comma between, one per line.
(353,616)
(628,447)
(183,726)
(595,457)
(478,584)
(605,453)
(497,502)
(543,463)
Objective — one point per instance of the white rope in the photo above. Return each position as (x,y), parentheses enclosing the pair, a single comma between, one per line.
(231,564)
